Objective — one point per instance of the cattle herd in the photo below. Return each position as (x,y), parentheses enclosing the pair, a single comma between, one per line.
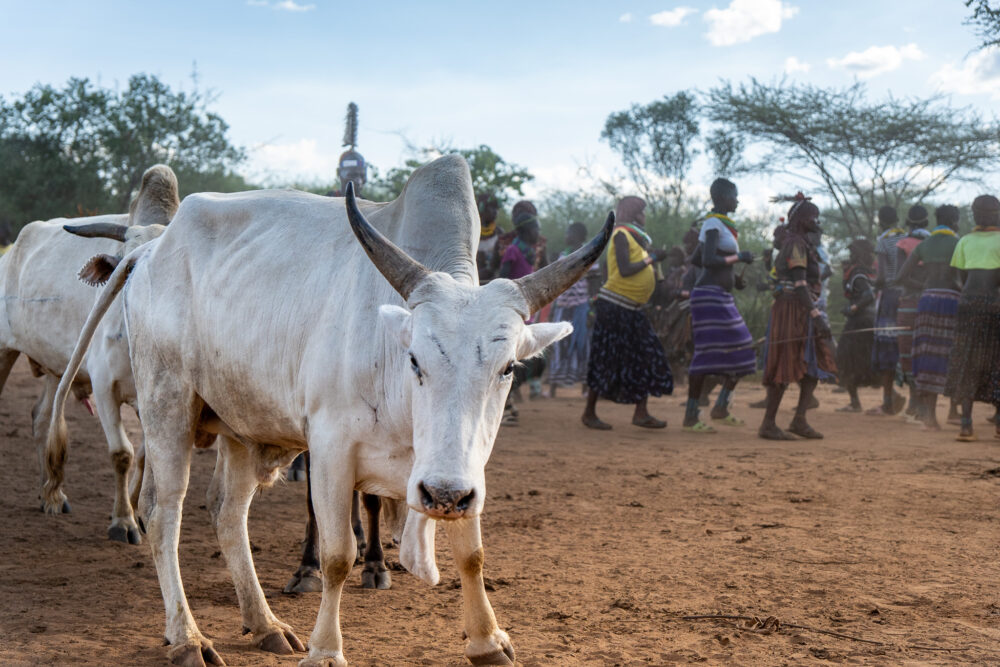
(271,323)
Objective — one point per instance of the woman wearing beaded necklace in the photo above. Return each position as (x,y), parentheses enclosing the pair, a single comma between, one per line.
(723,345)
(798,342)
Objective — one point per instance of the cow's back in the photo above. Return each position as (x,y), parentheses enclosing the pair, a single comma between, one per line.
(259,296)
(44,303)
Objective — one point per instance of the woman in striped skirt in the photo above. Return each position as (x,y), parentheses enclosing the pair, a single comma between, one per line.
(934,326)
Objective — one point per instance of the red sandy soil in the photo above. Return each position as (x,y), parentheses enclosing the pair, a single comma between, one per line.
(596,545)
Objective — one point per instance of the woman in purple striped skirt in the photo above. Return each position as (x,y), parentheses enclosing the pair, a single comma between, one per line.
(722,343)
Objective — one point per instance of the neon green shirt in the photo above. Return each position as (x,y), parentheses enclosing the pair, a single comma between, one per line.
(978,250)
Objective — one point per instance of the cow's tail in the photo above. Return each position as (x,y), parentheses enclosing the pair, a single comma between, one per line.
(55,444)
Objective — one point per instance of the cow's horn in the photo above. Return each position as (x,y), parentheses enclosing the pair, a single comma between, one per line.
(402,272)
(543,286)
(98,230)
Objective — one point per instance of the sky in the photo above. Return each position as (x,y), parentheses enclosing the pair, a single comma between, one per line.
(533,80)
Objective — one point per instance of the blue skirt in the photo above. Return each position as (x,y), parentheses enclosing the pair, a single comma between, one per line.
(722,342)
(885,349)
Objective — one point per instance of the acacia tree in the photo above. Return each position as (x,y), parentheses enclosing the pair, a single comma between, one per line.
(861,154)
(987,21)
(656,143)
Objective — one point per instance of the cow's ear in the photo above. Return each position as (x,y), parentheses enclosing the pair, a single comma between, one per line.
(98,269)
(537,337)
(398,322)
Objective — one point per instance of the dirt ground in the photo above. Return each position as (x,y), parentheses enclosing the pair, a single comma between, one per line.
(596,545)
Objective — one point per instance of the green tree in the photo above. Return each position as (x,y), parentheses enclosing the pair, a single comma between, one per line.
(490,173)
(84,148)
(656,143)
(860,154)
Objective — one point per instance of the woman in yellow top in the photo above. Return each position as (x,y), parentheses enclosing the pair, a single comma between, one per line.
(627,362)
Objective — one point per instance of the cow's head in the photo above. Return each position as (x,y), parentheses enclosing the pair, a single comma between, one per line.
(462,343)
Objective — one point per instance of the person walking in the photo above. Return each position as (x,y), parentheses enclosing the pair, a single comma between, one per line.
(910,290)
(974,362)
(854,350)
(627,361)
(798,342)
(568,363)
(885,351)
(938,285)
(723,345)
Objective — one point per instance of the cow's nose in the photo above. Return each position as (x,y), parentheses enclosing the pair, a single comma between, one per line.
(445,502)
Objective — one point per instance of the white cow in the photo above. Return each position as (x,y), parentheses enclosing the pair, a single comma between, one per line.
(258,317)
(45,306)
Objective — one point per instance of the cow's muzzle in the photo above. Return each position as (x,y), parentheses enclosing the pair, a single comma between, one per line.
(444,501)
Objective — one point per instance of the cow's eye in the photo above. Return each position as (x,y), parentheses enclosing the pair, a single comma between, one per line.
(416,369)
(508,370)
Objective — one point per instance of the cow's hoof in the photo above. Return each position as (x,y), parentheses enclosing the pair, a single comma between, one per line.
(305,580)
(195,655)
(125,533)
(376,576)
(325,661)
(56,507)
(281,641)
(501,653)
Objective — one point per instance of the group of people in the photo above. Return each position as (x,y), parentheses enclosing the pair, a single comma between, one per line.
(922,311)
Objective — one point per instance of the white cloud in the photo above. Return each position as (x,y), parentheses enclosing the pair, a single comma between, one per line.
(743,20)
(671,18)
(625,18)
(292,6)
(793,65)
(876,60)
(979,74)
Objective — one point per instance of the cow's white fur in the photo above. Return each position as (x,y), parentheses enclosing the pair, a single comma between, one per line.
(264,308)
(44,307)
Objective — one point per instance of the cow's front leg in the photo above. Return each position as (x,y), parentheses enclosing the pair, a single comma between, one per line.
(332,485)
(230,493)
(375,573)
(488,644)
(308,578)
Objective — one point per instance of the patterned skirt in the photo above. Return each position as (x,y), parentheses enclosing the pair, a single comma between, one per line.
(885,350)
(722,343)
(854,351)
(933,337)
(906,316)
(974,362)
(794,351)
(627,362)
(568,363)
